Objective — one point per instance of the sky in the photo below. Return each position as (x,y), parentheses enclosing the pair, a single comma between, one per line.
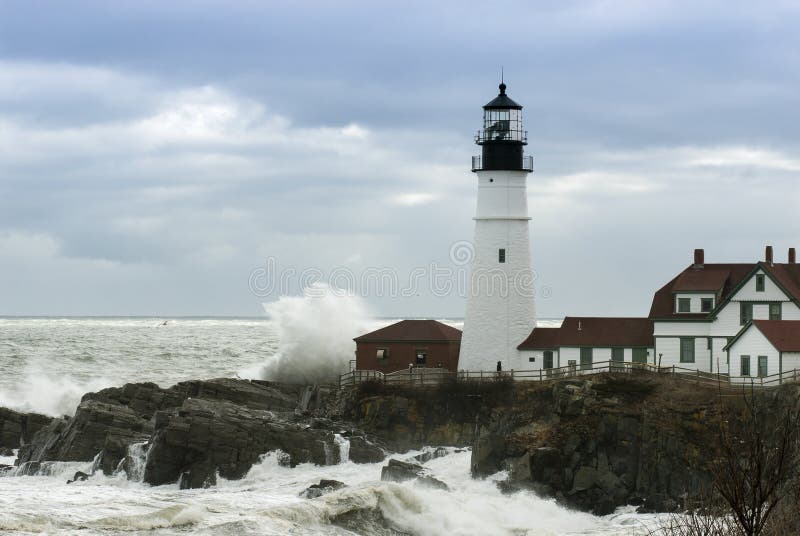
(204,157)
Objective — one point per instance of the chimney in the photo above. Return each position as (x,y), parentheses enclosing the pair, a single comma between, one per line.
(699,258)
(768,255)
(792,256)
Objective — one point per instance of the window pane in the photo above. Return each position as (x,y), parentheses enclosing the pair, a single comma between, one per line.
(775,311)
(687,350)
(745,313)
(706,304)
(745,365)
(760,283)
(762,366)
(501,255)
(684,305)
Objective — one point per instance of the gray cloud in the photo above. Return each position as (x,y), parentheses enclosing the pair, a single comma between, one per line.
(152,155)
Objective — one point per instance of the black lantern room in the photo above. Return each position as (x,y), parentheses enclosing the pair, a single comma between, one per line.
(502,138)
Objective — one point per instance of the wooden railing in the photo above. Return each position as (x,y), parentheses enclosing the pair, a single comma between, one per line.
(432,376)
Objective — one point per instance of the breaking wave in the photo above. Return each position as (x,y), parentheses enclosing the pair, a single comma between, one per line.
(316,333)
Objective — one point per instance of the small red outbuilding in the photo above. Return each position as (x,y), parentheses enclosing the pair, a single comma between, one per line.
(423,343)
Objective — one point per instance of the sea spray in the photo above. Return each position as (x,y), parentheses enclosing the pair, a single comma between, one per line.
(316,334)
(135,461)
(40,391)
(344,447)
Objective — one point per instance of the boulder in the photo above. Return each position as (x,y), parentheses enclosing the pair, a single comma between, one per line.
(18,428)
(96,427)
(362,450)
(205,437)
(324,486)
(400,471)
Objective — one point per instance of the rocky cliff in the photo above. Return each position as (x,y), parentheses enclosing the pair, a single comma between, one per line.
(195,430)
(594,444)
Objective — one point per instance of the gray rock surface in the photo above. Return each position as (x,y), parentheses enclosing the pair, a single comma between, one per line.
(17,428)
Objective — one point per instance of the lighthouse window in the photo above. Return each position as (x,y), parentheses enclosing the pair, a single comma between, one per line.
(501,255)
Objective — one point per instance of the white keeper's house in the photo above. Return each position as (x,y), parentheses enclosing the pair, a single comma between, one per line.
(736,319)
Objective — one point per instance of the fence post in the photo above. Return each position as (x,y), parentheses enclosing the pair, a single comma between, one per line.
(540,374)
(673,370)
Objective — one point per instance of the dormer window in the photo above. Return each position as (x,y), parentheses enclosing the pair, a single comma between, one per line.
(706,304)
(684,305)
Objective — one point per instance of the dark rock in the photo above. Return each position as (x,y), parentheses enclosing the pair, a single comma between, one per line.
(5,451)
(324,486)
(5,469)
(18,428)
(431,454)
(96,427)
(28,468)
(199,475)
(658,502)
(80,476)
(362,450)
(400,471)
(203,437)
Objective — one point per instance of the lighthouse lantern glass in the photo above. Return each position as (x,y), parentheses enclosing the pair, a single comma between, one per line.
(502,124)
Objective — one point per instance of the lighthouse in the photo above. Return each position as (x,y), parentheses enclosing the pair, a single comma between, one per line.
(500,302)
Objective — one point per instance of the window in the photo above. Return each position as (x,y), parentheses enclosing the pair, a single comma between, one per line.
(774,311)
(618,354)
(640,355)
(421,356)
(745,365)
(383,353)
(762,366)
(745,313)
(706,304)
(532,359)
(684,305)
(687,350)
(586,359)
(759,282)
(548,359)
(501,255)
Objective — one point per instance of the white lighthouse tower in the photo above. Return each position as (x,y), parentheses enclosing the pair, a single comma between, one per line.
(500,309)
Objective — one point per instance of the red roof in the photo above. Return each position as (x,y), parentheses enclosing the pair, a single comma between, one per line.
(783,334)
(540,338)
(593,331)
(413,331)
(723,280)
(788,275)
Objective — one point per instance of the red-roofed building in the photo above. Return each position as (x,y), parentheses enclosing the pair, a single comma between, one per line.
(763,348)
(423,343)
(586,340)
(692,320)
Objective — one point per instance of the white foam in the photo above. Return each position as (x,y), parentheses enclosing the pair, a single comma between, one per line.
(316,334)
(171,516)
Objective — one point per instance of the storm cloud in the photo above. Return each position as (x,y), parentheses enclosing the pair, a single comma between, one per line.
(153,155)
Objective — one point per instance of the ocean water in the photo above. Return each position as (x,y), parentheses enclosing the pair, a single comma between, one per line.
(46,364)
